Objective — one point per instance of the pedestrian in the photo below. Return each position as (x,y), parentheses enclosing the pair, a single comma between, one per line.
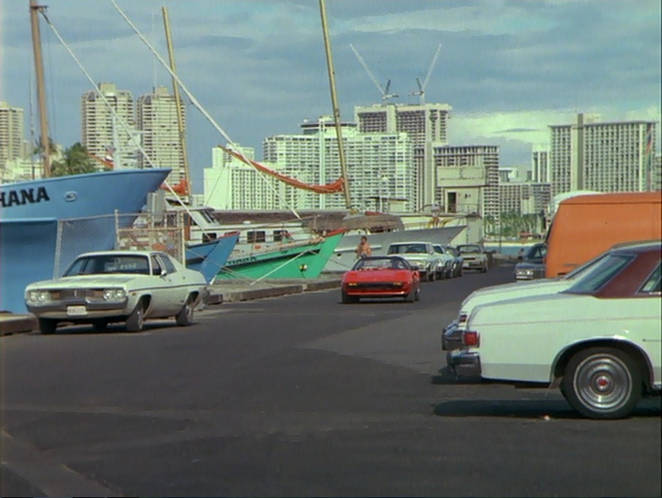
(363,249)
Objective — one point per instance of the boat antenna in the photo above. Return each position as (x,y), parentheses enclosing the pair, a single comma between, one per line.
(334,104)
(178,101)
(35,9)
(183,87)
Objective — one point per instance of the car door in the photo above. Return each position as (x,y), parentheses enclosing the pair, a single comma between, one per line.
(175,289)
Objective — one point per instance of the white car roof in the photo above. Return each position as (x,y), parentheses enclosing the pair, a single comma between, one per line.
(118,252)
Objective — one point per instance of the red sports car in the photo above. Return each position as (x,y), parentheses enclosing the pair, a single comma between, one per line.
(381,276)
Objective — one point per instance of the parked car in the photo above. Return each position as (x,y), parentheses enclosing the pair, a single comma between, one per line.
(446,262)
(381,276)
(474,257)
(599,340)
(532,265)
(117,286)
(420,255)
(458,260)
(451,337)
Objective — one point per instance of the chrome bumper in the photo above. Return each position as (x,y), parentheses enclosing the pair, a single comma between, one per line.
(464,363)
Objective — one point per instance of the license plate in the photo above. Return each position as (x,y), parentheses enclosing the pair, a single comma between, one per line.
(76,310)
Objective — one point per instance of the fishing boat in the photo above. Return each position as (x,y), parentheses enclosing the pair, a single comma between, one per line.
(298,259)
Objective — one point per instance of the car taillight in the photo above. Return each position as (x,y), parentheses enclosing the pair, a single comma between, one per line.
(463,318)
(471,338)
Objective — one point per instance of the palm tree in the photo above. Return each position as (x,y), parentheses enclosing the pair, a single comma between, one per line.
(74,162)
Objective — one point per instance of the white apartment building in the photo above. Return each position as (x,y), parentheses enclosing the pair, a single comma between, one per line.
(380,166)
(11,133)
(105,135)
(524,197)
(540,164)
(467,179)
(230,184)
(427,126)
(159,130)
(603,157)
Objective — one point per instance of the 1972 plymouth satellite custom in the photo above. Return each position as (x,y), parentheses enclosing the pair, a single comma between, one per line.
(381,276)
(112,286)
(599,340)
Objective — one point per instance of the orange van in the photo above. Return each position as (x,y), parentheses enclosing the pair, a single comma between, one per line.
(587,225)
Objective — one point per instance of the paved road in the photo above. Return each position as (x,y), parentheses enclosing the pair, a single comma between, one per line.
(299,395)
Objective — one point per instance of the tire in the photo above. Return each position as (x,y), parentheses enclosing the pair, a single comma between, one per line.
(47,326)
(418,294)
(136,320)
(484,268)
(411,297)
(602,382)
(430,275)
(185,316)
(347,299)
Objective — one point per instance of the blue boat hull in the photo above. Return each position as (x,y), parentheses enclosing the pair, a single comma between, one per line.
(45,224)
(209,257)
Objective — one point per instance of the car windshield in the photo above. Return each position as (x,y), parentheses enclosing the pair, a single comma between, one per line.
(407,249)
(108,263)
(438,249)
(468,248)
(600,273)
(380,264)
(580,270)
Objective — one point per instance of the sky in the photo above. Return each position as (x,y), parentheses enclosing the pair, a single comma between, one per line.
(508,68)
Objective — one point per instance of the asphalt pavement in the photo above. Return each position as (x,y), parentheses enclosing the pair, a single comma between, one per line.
(300,395)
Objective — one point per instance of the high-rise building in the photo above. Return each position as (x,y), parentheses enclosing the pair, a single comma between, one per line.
(11,133)
(157,122)
(105,134)
(540,164)
(231,184)
(427,126)
(656,176)
(524,197)
(379,165)
(468,179)
(603,157)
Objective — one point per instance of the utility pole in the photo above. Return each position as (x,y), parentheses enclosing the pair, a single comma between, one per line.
(334,103)
(41,90)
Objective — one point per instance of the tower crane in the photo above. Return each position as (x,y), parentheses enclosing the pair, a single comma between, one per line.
(422,86)
(384,91)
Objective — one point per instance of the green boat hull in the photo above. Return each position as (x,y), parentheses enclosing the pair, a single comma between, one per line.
(302,261)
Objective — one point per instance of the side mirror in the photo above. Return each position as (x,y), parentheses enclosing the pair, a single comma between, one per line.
(164,272)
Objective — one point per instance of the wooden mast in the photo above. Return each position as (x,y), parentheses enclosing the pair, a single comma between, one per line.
(334,103)
(175,89)
(41,89)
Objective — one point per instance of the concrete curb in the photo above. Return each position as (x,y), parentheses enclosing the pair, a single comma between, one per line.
(16,324)
(246,295)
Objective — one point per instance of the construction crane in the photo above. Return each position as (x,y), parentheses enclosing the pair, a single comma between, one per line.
(422,86)
(383,90)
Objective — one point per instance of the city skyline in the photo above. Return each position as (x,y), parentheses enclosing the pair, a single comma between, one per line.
(508,69)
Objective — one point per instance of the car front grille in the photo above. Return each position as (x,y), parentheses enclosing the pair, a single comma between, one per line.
(377,286)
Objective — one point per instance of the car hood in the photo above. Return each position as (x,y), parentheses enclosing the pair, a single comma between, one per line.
(377,276)
(528,264)
(511,291)
(85,281)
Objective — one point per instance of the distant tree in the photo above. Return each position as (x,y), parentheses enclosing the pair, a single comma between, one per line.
(75,162)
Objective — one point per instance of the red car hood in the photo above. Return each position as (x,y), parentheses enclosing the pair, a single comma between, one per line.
(377,276)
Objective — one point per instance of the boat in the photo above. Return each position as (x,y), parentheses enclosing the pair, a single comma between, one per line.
(45,223)
(291,260)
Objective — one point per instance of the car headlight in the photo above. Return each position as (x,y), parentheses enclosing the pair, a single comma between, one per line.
(524,273)
(114,295)
(38,296)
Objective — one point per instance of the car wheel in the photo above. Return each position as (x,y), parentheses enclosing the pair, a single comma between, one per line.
(430,275)
(411,296)
(418,294)
(47,326)
(100,325)
(136,320)
(602,383)
(185,315)
(484,268)
(347,299)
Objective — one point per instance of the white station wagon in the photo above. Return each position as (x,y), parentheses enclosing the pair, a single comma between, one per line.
(600,340)
(117,286)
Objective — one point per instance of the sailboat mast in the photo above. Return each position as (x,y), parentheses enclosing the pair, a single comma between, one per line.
(334,103)
(41,89)
(175,89)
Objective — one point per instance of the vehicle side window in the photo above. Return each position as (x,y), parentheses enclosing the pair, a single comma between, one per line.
(600,274)
(652,283)
(165,260)
(156,267)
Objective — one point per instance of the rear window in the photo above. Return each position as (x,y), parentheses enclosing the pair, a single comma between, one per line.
(407,249)
(600,273)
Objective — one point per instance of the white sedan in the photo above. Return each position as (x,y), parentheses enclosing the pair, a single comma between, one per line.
(117,286)
(599,340)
